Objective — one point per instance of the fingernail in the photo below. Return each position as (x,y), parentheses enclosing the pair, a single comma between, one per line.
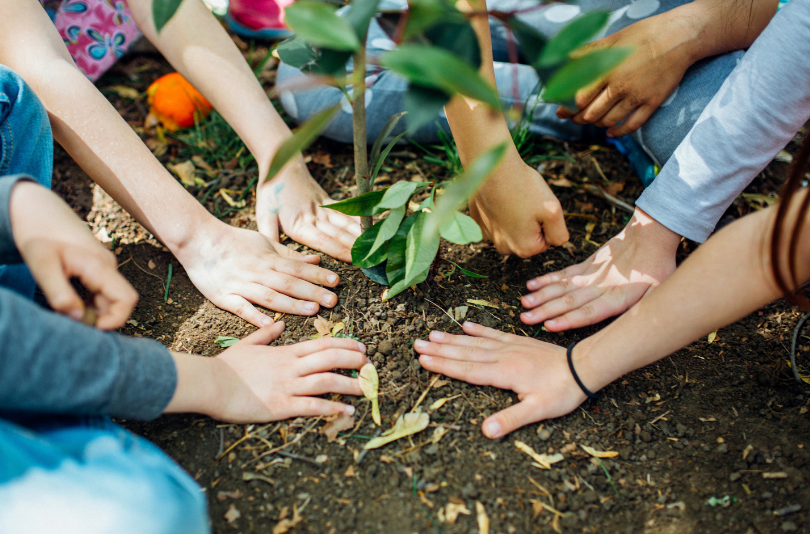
(528,300)
(361,347)
(426,358)
(551,322)
(332,278)
(267,321)
(468,324)
(350,410)
(492,429)
(329,300)
(532,284)
(437,335)
(420,344)
(311,307)
(76,314)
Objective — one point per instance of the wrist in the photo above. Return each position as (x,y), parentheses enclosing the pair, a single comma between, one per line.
(197,390)
(648,232)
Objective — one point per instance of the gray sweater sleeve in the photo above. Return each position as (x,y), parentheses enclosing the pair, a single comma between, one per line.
(757,111)
(8,250)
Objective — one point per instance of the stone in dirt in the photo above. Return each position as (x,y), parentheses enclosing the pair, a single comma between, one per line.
(386,347)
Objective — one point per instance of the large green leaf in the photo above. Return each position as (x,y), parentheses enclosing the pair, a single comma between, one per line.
(319,25)
(462,187)
(395,267)
(581,72)
(386,131)
(398,194)
(362,246)
(302,137)
(461,229)
(388,228)
(162,11)
(295,52)
(572,37)
(365,205)
(423,105)
(531,41)
(421,248)
(424,14)
(330,62)
(435,67)
(403,284)
(359,15)
(458,38)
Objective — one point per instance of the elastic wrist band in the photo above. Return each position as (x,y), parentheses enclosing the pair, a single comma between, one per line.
(585,390)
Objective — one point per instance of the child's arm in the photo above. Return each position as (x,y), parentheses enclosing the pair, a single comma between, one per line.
(195,43)
(723,281)
(232,267)
(515,207)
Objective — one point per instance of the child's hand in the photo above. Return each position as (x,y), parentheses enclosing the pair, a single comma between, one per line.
(56,246)
(251,382)
(291,203)
(538,372)
(518,212)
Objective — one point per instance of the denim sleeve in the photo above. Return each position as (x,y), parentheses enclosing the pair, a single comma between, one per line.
(757,111)
(51,364)
(8,250)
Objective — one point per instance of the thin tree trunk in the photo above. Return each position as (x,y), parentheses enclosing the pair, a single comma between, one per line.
(361,173)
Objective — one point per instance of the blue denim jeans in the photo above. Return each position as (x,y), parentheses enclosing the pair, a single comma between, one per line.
(26,147)
(519,83)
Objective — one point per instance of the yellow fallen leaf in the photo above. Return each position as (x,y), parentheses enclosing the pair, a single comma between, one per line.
(370,384)
(125,92)
(226,195)
(459,312)
(201,163)
(185,171)
(337,424)
(712,337)
(322,326)
(479,302)
(439,403)
(598,454)
(544,460)
(285,525)
(337,328)
(482,518)
(405,425)
(452,511)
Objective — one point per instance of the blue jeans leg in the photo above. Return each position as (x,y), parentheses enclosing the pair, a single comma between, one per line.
(72,474)
(26,147)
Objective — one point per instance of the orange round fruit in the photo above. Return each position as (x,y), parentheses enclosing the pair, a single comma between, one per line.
(174,102)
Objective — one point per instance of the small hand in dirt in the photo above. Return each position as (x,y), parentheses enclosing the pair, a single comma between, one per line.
(608,283)
(56,246)
(263,383)
(233,267)
(292,202)
(518,212)
(537,371)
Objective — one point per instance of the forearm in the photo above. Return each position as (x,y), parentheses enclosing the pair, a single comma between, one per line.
(723,281)
(197,379)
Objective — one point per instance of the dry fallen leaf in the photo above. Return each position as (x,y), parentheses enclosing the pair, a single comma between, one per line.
(201,163)
(439,403)
(406,425)
(452,511)
(225,495)
(438,434)
(285,525)
(598,454)
(482,518)
(562,181)
(544,460)
(151,264)
(370,384)
(459,312)
(128,92)
(322,326)
(185,171)
(712,337)
(337,328)
(386,459)
(350,472)
(232,514)
(340,423)
(226,196)
(480,302)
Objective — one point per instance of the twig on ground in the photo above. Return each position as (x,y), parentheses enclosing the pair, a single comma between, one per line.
(424,393)
(619,203)
(443,311)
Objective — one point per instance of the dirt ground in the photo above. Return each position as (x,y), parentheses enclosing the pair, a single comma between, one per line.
(719,420)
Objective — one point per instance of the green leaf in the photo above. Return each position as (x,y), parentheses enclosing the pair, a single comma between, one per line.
(403,284)
(427,204)
(365,205)
(531,41)
(162,11)
(398,194)
(362,246)
(572,37)
(424,14)
(395,267)
(420,250)
(384,155)
(462,187)
(295,52)
(302,137)
(435,67)
(388,228)
(330,62)
(225,341)
(458,38)
(468,273)
(461,229)
(423,105)
(581,72)
(386,131)
(359,15)
(319,25)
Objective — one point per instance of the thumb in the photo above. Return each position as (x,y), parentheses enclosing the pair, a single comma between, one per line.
(265,335)
(510,419)
(555,230)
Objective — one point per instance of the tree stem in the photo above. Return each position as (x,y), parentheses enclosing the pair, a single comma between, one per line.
(361,173)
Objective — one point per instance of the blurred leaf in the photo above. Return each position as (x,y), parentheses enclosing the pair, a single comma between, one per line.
(359,15)
(462,187)
(461,229)
(330,62)
(295,52)
(458,38)
(395,266)
(362,246)
(369,385)
(421,249)
(319,25)
(406,425)
(381,160)
(388,228)
(365,205)
(225,341)
(435,67)
(186,171)
(598,454)
(468,273)
(424,14)
(572,37)
(163,11)
(531,41)
(404,284)
(386,131)
(582,72)
(423,105)
(398,194)
(302,137)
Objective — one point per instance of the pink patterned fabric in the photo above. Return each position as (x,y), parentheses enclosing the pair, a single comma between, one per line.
(96,32)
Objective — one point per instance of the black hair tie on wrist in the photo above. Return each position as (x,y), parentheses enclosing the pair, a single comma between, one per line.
(593,396)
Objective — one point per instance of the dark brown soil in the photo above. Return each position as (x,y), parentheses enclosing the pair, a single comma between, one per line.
(714,420)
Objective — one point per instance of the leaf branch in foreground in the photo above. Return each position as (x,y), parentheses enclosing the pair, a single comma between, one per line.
(302,137)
